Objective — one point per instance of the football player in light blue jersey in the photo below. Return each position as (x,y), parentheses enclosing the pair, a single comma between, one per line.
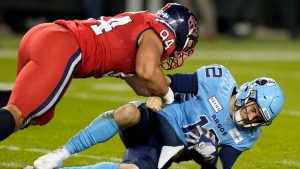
(235,116)
(210,110)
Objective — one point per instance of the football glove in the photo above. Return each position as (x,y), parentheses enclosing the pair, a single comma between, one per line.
(203,142)
(169,97)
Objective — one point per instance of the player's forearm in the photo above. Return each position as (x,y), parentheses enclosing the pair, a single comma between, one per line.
(157,86)
(154,81)
(137,84)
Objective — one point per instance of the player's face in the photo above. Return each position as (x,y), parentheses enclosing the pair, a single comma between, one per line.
(250,113)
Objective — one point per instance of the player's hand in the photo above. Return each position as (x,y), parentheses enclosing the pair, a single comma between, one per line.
(203,142)
(155,103)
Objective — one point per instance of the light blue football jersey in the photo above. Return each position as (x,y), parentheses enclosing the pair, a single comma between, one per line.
(210,109)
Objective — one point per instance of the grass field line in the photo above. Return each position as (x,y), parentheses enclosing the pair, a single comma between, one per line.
(292,112)
(6,85)
(102,158)
(88,96)
(8,53)
(247,55)
(290,163)
(11,165)
(44,151)
(121,87)
(111,87)
(205,54)
(98,86)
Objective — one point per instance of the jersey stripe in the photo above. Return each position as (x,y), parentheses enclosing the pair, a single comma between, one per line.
(55,96)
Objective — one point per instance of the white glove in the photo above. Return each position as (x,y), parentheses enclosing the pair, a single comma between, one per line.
(169,97)
(203,142)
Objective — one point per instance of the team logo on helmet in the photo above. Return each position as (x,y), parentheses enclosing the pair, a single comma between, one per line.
(165,15)
(193,26)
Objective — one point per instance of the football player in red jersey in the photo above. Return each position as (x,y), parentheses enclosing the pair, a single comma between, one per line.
(131,45)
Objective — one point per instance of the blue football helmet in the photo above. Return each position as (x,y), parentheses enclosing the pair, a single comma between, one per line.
(267,95)
(186,27)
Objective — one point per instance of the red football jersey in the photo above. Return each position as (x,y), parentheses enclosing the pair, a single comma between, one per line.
(109,44)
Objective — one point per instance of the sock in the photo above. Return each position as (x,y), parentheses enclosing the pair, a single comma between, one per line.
(101,129)
(7,123)
(104,165)
(4,97)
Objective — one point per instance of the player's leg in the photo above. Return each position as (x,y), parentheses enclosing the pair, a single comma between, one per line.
(48,56)
(140,133)
(105,165)
(47,60)
(100,130)
(141,157)
(10,117)
(141,142)
(104,127)
(143,148)
(128,166)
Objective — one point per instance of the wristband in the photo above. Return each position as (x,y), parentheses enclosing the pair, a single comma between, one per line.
(169,97)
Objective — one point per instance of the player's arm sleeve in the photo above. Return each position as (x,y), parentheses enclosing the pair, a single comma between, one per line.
(228,156)
(184,83)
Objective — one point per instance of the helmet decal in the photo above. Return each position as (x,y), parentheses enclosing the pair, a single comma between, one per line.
(193,26)
(165,15)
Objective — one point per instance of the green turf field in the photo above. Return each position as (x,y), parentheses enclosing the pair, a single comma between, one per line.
(278,147)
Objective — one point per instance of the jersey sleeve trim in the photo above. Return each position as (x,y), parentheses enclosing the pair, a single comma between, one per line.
(184,83)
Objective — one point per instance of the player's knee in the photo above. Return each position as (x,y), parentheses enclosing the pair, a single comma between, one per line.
(43,119)
(127,116)
(128,166)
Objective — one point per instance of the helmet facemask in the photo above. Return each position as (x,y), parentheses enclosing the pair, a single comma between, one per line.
(241,105)
(178,58)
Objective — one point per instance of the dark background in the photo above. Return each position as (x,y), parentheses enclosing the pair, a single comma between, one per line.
(283,14)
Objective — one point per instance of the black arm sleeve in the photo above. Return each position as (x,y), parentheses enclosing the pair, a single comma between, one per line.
(184,83)
(228,155)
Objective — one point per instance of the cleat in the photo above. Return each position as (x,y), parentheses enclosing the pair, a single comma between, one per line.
(52,160)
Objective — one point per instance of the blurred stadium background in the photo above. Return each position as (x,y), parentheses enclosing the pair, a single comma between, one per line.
(254,38)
